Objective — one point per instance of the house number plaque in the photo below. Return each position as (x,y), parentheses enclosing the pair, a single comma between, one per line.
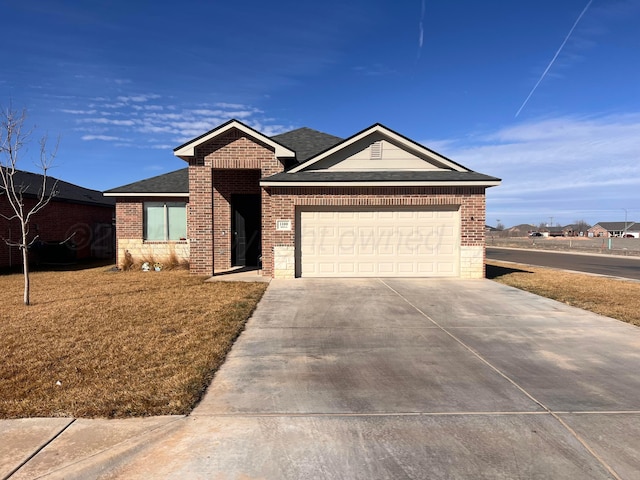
(283,225)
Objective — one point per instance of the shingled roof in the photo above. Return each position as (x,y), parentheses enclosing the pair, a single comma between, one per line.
(31,184)
(176,182)
(615,226)
(306,142)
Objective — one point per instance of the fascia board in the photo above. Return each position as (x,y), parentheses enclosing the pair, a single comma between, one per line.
(494,183)
(188,150)
(115,194)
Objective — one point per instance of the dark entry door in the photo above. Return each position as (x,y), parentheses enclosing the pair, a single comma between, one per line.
(246,227)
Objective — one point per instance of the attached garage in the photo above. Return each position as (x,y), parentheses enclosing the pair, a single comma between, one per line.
(378,242)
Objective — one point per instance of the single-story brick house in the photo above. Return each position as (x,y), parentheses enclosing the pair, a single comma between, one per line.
(610,229)
(82,216)
(306,203)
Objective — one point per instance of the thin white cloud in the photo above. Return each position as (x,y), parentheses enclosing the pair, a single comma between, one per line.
(138,98)
(108,121)
(566,163)
(158,125)
(105,138)
(78,112)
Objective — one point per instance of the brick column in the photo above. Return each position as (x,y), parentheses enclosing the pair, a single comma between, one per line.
(200,219)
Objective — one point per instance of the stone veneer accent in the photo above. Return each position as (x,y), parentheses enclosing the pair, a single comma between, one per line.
(284,260)
(142,251)
(472,262)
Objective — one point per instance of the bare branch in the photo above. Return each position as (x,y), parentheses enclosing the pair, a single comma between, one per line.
(68,238)
(11,243)
(32,242)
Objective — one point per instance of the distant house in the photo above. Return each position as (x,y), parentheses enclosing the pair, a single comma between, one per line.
(521,230)
(610,229)
(576,230)
(634,230)
(557,231)
(79,215)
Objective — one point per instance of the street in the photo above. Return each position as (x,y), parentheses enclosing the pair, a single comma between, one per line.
(617,266)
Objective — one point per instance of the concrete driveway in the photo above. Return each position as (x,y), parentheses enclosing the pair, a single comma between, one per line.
(407,378)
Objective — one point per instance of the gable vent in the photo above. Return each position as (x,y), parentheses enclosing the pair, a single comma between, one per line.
(376,150)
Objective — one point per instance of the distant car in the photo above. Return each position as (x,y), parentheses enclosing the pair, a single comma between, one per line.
(535,234)
(629,235)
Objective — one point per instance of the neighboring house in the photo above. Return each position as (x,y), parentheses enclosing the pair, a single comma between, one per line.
(521,230)
(81,216)
(305,203)
(576,230)
(556,231)
(610,229)
(634,230)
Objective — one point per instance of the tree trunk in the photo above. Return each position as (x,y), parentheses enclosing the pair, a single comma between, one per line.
(25,269)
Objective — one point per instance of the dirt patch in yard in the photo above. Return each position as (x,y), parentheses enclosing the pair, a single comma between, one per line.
(607,296)
(97,343)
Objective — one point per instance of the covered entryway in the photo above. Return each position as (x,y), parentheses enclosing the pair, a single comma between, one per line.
(378,242)
(245,226)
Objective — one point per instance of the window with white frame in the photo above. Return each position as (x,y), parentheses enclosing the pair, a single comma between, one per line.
(165,221)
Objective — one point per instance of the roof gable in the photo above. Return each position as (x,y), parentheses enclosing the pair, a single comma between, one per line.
(187,150)
(379,148)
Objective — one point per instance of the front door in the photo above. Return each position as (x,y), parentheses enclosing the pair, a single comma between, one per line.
(246,228)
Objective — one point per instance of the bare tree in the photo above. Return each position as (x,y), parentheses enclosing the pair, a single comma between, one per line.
(13,140)
(581,226)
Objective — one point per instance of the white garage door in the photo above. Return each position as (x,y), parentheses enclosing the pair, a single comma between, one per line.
(379,243)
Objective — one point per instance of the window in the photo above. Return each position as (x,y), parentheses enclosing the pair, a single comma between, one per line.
(165,221)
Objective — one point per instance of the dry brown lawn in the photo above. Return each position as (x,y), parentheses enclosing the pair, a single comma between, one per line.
(119,343)
(607,296)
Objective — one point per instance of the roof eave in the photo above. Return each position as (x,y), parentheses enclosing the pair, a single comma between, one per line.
(187,150)
(424,183)
(142,194)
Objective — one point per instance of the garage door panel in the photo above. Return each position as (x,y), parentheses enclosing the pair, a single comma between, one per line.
(384,242)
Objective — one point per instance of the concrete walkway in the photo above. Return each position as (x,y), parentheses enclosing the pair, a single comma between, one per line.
(370,378)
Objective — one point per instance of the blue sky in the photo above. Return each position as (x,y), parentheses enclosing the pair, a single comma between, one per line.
(543,94)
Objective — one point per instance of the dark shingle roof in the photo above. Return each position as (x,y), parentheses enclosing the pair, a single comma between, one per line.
(381,176)
(615,226)
(31,183)
(306,142)
(172,182)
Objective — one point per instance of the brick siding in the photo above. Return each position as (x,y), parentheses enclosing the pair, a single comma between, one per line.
(55,223)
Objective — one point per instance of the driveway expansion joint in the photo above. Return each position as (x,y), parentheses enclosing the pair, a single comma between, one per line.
(38,450)
(571,431)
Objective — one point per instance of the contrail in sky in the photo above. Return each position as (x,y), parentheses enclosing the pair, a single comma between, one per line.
(544,74)
(421,28)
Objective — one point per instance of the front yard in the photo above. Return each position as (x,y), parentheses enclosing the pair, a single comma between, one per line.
(97,343)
